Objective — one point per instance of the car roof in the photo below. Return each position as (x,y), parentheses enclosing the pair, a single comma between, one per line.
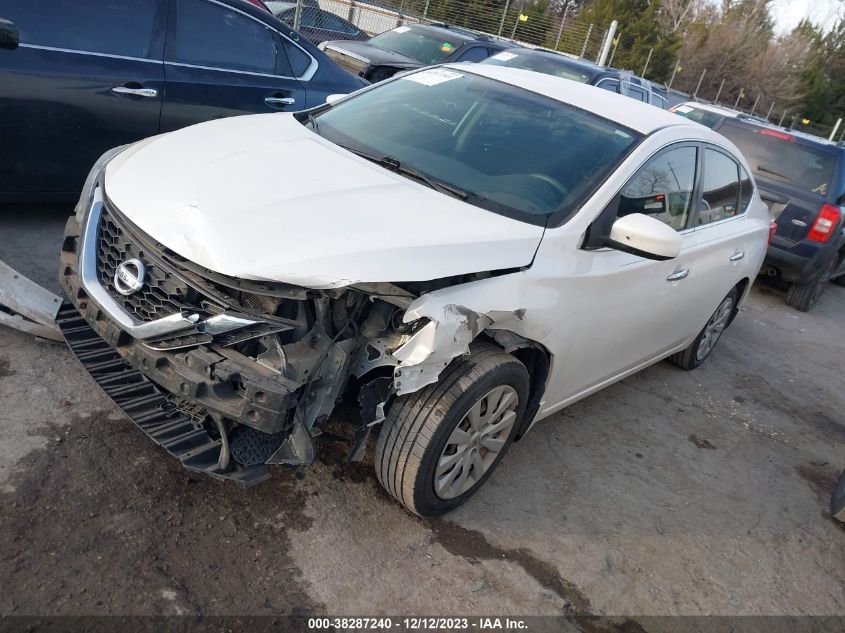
(709,107)
(801,137)
(633,114)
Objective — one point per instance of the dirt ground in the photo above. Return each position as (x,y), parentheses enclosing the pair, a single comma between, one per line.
(669,493)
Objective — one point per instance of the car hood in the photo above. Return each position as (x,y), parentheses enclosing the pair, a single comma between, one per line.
(262,197)
(367,53)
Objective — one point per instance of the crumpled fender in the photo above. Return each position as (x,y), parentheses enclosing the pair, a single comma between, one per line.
(447,335)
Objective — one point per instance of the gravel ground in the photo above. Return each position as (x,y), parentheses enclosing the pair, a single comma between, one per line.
(669,493)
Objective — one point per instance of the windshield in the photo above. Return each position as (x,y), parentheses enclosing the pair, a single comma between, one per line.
(509,150)
(777,156)
(426,48)
(547,65)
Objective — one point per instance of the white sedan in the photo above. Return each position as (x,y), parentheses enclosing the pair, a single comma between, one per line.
(463,250)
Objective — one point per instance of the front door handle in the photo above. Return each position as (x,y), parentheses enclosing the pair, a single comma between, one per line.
(678,275)
(278,102)
(138,92)
(737,256)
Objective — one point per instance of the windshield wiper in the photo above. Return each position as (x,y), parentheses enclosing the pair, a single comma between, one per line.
(392,164)
(773,173)
(313,121)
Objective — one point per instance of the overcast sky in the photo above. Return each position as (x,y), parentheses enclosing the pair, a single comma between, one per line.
(788,13)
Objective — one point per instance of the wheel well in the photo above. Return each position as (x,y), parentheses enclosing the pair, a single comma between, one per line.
(536,360)
(742,288)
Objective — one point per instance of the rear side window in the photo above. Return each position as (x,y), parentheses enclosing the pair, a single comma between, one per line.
(333,23)
(663,188)
(609,84)
(114,27)
(719,189)
(218,37)
(710,119)
(779,156)
(474,54)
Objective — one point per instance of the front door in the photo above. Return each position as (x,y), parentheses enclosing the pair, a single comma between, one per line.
(87,76)
(628,310)
(220,62)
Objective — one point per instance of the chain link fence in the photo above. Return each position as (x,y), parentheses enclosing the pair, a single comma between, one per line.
(510,21)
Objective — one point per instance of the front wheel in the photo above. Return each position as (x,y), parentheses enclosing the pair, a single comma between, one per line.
(706,340)
(439,445)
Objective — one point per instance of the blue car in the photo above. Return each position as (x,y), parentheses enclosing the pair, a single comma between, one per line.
(81,76)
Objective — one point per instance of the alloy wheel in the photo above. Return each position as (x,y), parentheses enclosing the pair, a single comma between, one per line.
(714,328)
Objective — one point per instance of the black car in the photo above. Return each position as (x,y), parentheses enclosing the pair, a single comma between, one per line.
(413,46)
(553,63)
(802,179)
(316,24)
(78,77)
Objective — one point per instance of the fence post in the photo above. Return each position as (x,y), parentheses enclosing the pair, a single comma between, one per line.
(613,53)
(754,107)
(297,15)
(504,14)
(516,22)
(647,60)
(782,117)
(835,129)
(769,113)
(739,96)
(698,87)
(674,70)
(608,40)
(586,39)
(562,22)
(721,85)
(425,10)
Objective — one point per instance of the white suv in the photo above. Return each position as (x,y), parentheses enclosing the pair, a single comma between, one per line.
(462,251)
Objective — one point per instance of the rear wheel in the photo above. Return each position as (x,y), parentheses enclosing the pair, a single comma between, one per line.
(804,296)
(439,445)
(706,340)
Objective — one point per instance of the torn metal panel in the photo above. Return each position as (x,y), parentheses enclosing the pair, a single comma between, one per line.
(26,306)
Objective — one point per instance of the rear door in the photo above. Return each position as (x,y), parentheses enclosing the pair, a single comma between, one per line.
(87,76)
(221,61)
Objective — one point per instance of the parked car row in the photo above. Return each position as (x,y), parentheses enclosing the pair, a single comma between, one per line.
(802,179)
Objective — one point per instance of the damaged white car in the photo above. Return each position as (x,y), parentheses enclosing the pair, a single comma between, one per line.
(460,251)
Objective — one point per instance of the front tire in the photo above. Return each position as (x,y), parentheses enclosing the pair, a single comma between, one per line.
(697,353)
(439,445)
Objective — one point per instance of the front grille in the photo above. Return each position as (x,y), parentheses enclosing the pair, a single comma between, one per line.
(163,293)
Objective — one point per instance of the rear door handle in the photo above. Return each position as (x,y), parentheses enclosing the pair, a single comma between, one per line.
(138,92)
(678,275)
(276,102)
(737,256)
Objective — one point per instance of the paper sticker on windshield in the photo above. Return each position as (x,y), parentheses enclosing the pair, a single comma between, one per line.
(504,56)
(683,109)
(401,29)
(433,76)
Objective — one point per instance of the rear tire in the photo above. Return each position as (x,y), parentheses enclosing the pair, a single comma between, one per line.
(802,297)
(697,353)
(418,437)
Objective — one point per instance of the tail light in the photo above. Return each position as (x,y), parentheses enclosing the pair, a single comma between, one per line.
(773,228)
(825,224)
(259,4)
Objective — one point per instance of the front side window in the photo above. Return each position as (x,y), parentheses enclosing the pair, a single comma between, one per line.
(719,189)
(219,37)
(612,85)
(663,188)
(508,150)
(427,48)
(79,26)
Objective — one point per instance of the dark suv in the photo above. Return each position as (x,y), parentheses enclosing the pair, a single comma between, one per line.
(802,179)
(412,46)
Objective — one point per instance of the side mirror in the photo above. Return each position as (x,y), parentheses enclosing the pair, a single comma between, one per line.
(10,37)
(332,99)
(645,236)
